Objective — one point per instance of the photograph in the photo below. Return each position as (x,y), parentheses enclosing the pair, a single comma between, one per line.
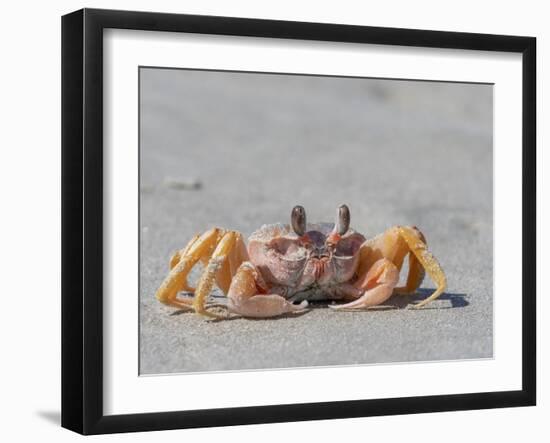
(303,221)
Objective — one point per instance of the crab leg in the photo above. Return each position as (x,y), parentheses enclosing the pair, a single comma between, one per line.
(236,256)
(414,278)
(416,271)
(426,259)
(206,280)
(245,300)
(175,259)
(378,284)
(176,279)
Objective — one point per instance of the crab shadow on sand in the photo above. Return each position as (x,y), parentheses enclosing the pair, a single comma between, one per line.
(457,300)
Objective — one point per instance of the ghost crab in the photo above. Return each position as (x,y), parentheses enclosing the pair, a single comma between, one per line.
(286,264)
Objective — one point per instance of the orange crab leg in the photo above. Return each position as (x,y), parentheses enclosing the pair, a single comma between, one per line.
(245,300)
(206,280)
(426,259)
(416,271)
(414,278)
(176,279)
(228,269)
(175,259)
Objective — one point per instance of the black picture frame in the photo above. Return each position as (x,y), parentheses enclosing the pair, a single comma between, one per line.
(82,220)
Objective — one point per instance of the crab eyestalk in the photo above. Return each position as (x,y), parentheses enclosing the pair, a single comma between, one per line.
(342,220)
(298,220)
(340,227)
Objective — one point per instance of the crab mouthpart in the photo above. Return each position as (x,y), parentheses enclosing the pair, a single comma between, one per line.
(320,267)
(319,254)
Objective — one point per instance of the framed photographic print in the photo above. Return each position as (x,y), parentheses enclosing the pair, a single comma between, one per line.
(269,221)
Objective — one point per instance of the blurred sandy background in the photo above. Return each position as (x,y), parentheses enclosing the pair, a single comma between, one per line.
(238,150)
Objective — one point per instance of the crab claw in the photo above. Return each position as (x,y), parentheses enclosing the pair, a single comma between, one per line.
(380,281)
(244,299)
(300,307)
